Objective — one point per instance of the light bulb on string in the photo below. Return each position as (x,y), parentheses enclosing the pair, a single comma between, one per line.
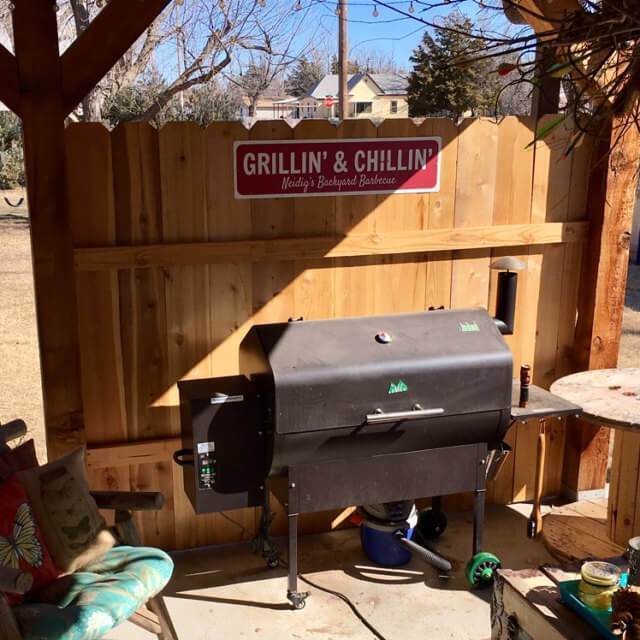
(412,9)
(298,6)
(262,2)
(337,11)
(375,13)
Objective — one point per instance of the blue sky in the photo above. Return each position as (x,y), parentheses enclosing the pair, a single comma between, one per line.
(389,32)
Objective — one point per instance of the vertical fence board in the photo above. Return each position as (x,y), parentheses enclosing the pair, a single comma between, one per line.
(400,281)
(441,213)
(91,211)
(314,286)
(184,217)
(143,321)
(355,277)
(231,285)
(475,192)
(512,205)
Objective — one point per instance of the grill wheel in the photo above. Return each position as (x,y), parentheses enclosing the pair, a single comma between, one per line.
(481,569)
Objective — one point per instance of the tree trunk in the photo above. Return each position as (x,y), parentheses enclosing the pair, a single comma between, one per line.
(92,108)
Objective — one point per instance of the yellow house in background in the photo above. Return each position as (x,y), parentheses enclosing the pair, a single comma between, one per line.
(371,95)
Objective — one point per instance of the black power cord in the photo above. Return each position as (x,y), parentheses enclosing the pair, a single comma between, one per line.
(336,594)
(348,602)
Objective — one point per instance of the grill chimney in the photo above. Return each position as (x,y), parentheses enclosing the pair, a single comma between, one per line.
(507,291)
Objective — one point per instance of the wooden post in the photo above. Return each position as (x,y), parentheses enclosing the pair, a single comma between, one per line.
(42,88)
(545,98)
(40,80)
(612,194)
(343,62)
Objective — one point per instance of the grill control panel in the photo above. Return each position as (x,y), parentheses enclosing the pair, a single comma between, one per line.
(206,465)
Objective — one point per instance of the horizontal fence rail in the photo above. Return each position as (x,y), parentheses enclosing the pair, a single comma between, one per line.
(423,241)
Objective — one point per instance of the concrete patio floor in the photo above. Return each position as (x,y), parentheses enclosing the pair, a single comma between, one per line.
(226,592)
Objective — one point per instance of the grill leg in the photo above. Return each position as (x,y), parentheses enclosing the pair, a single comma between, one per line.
(263,543)
(478,519)
(297,598)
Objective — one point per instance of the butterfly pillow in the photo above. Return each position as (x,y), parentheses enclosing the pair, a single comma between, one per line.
(21,544)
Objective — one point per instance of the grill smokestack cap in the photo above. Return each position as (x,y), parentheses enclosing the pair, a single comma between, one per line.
(508,263)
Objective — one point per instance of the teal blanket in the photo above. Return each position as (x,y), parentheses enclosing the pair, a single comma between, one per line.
(91,602)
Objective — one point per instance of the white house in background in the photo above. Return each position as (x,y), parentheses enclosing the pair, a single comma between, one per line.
(266,108)
(371,95)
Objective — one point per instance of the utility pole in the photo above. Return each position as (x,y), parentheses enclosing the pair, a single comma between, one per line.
(343,61)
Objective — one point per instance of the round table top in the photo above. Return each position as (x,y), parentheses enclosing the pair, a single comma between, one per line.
(610,397)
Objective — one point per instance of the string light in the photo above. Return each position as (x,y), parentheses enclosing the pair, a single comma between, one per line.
(375,13)
(412,9)
(337,11)
(298,6)
(262,3)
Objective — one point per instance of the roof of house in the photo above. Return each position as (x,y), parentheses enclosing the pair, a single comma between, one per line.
(388,83)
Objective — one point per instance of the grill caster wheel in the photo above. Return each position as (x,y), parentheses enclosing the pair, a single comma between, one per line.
(432,524)
(481,569)
(298,599)
(273,563)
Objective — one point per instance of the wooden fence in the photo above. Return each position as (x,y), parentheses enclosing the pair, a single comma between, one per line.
(172,270)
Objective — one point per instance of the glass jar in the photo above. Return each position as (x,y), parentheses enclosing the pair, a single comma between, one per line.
(598,584)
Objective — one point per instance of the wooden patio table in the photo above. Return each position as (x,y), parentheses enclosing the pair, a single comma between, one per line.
(611,398)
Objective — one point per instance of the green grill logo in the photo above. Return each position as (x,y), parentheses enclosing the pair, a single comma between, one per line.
(398,387)
(467,327)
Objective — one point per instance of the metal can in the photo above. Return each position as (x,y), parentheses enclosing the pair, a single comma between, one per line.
(633,556)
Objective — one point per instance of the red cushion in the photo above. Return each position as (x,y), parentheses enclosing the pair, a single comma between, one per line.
(18,459)
(21,543)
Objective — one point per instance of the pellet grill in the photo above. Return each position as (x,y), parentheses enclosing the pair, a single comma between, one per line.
(328,414)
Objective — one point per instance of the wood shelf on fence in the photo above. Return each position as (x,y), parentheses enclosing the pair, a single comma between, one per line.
(280,249)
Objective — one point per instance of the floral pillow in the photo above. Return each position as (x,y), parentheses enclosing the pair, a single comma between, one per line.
(21,543)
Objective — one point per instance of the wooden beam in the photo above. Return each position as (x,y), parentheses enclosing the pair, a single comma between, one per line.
(603,286)
(543,15)
(109,36)
(39,73)
(311,248)
(9,86)
(132,453)
(129,500)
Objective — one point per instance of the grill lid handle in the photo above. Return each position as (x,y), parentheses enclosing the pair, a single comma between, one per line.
(416,413)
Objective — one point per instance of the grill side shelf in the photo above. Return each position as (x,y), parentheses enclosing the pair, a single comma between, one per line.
(541,404)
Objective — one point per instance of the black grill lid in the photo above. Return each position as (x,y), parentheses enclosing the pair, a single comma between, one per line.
(333,373)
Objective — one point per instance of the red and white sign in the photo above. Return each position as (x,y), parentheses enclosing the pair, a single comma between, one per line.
(299,168)
(328,102)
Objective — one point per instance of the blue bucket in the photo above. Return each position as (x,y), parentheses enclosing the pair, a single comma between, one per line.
(380,546)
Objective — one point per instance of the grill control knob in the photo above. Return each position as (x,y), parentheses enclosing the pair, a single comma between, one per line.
(383,337)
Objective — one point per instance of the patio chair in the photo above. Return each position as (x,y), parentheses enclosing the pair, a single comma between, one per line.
(124,584)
